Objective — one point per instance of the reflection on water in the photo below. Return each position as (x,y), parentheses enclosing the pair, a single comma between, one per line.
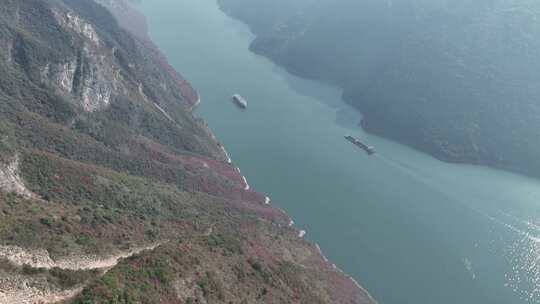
(523,254)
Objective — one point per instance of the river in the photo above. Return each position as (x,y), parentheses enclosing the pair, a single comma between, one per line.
(410,228)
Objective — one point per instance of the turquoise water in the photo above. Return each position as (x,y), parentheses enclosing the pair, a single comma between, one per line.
(410,228)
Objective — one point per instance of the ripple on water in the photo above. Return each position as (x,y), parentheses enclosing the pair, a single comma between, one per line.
(524,276)
(523,255)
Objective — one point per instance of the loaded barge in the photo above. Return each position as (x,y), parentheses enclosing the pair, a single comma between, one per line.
(368,149)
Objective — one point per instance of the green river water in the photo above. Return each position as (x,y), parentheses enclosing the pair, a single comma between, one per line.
(410,228)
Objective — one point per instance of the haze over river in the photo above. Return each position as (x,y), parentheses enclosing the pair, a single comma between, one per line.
(409,228)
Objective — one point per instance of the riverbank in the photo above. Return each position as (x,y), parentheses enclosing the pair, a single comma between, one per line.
(401,222)
(344,288)
(463,107)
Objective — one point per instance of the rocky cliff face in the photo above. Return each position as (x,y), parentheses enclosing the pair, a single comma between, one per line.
(91,76)
(112,192)
(10,179)
(134,22)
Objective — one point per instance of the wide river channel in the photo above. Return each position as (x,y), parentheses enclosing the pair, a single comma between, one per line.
(408,227)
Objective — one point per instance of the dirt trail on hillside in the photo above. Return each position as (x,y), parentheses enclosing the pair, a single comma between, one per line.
(27,290)
(20,290)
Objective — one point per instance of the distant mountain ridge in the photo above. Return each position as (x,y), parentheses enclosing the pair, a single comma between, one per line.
(456,79)
(111,191)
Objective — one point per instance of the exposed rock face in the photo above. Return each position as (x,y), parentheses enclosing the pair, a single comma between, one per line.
(10,180)
(92,77)
(22,290)
(39,258)
(80,26)
(61,75)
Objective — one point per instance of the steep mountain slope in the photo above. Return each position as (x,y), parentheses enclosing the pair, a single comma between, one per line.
(112,192)
(455,79)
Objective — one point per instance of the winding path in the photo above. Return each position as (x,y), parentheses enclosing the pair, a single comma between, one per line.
(25,290)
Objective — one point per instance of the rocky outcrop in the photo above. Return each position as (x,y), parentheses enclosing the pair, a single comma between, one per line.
(92,77)
(10,180)
(16,288)
(24,290)
(61,75)
(39,258)
(80,26)
(134,22)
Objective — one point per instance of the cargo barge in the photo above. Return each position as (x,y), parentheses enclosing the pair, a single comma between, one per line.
(368,149)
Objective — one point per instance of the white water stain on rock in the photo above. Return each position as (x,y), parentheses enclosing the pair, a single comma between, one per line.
(229,160)
(60,75)
(92,76)
(164,113)
(246,185)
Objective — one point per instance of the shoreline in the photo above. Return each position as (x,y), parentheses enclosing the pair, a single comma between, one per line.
(430,148)
(194,99)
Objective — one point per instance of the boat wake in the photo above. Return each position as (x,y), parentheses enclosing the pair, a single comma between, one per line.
(468,265)
(403,168)
(522,254)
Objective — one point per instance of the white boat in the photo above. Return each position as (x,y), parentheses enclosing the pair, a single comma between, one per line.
(240,101)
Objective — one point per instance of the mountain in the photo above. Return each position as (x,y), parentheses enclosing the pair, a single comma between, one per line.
(111,191)
(456,79)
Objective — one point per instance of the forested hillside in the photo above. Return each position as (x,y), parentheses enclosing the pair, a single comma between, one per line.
(112,192)
(457,79)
